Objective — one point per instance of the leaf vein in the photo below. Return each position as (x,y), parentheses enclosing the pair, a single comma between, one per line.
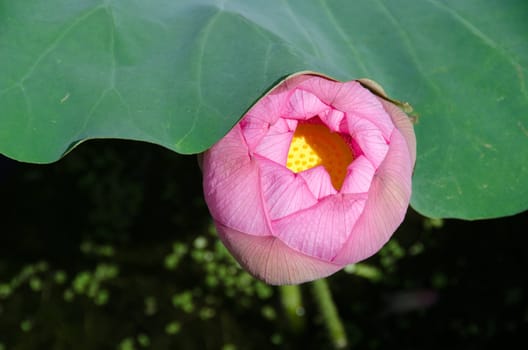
(345,37)
(408,44)
(466,23)
(302,28)
(56,41)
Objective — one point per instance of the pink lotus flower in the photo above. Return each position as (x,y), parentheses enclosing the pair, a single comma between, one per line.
(317,175)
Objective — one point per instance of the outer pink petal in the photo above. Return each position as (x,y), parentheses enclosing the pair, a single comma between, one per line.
(232,186)
(270,260)
(387,203)
(350,97)
(293,81)
(319,182)
(305,105)
(321,230)
(272,106)
(264,113)
(359,176)
(284,192)
(404,124)
(254,130)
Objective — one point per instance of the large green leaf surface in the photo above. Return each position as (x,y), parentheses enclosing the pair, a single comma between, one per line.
(181,73)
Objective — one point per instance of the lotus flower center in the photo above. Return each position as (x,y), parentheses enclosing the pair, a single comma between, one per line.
(315,144)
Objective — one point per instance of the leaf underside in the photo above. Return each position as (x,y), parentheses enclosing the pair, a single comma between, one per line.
(181,73)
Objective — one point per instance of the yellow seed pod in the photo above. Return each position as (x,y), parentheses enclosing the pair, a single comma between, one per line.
(315,144)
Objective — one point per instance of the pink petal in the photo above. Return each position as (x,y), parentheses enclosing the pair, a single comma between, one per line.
(333,119)
(284,192)
(350,97)
(328,91)
(270,260)
(369,138)
(232,186)
(276,143)
(404,124)
(359,176)
(318,181)
(254,130)
(271,106)
(321,230)
(305,105)
(295,80)
(387,203)
(264,113)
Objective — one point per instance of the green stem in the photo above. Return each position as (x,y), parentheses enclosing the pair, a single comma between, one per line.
(291,300)
(323,298)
